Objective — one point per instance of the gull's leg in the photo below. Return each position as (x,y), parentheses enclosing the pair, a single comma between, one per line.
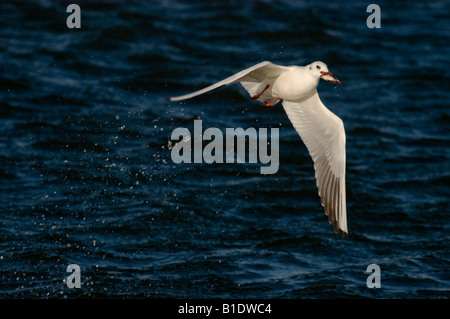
(266,103)
(257,96)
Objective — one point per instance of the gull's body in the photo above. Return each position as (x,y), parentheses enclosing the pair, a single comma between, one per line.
(322,132)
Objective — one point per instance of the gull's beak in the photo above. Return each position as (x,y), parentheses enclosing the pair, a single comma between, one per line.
(328,76)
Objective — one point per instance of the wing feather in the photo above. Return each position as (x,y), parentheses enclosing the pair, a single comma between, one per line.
(324,135)
(253,79)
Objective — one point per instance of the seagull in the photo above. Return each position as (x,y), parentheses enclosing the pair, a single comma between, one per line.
(320,130)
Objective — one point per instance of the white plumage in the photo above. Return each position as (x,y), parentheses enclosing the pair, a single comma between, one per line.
(322,131)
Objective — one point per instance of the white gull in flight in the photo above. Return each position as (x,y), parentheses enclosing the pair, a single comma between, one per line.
(322,131)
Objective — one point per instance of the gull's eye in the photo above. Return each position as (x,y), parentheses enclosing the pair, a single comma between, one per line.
(318,67)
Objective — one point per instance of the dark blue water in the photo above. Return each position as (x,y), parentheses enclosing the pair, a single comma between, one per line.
(86,175)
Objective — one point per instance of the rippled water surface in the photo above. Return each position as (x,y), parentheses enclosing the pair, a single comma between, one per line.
(86,175)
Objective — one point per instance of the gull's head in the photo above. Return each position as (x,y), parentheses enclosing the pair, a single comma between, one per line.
(320,70)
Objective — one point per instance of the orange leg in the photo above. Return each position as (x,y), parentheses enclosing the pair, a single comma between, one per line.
(266,103)
(257,96)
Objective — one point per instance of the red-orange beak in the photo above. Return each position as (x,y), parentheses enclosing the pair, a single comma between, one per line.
(328,76)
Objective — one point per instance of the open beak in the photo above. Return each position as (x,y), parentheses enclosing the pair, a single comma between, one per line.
(328,76)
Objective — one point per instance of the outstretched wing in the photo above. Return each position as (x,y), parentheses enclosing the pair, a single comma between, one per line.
(324,135)
(251,78)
